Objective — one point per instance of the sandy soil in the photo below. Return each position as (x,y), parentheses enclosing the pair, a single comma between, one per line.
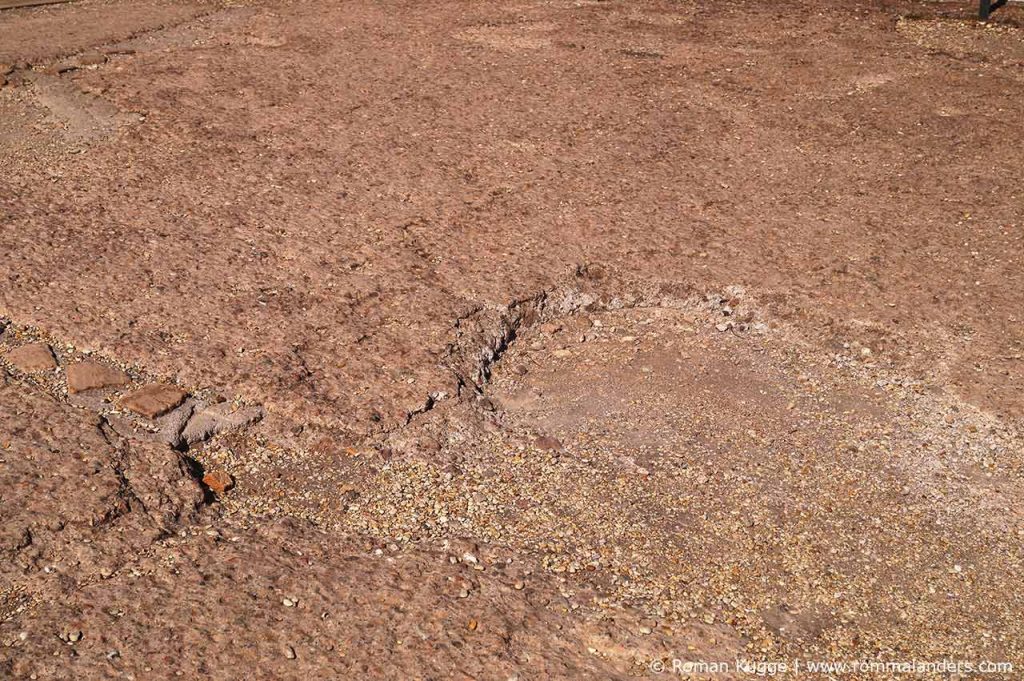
(544,339)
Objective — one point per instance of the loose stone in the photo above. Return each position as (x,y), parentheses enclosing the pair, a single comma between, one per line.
(32,358)
(153,400)
(218,481)
(90,375)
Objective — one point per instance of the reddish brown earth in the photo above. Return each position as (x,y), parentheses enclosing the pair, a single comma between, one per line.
(512,340)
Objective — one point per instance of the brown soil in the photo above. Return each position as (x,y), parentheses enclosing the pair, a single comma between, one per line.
(544,339)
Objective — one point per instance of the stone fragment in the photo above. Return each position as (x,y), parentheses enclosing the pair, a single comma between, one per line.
(90,375)
(153,400)
(218,418)
(173,424)
(32,358)
(218,481)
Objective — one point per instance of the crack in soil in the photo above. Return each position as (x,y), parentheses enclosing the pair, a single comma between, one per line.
(482,336)
(485,334)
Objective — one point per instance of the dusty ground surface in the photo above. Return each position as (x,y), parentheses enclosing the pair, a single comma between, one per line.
(548,339)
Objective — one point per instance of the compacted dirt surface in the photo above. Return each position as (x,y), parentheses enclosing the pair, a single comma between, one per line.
(511,340)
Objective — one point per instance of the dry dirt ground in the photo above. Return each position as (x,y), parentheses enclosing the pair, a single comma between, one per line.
(533,339)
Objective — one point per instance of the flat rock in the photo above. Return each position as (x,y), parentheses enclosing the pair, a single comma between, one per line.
(218,481)
(32,358)
(218,418)
(153,400)
(90,375)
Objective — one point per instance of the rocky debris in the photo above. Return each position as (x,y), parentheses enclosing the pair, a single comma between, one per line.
(701,452)
(71,635)
(153,400)
(92,375)
(367,611)
(702,462)
(32,358)
(219,481)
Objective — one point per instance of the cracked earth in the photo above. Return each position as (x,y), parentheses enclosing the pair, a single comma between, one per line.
(516,340)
